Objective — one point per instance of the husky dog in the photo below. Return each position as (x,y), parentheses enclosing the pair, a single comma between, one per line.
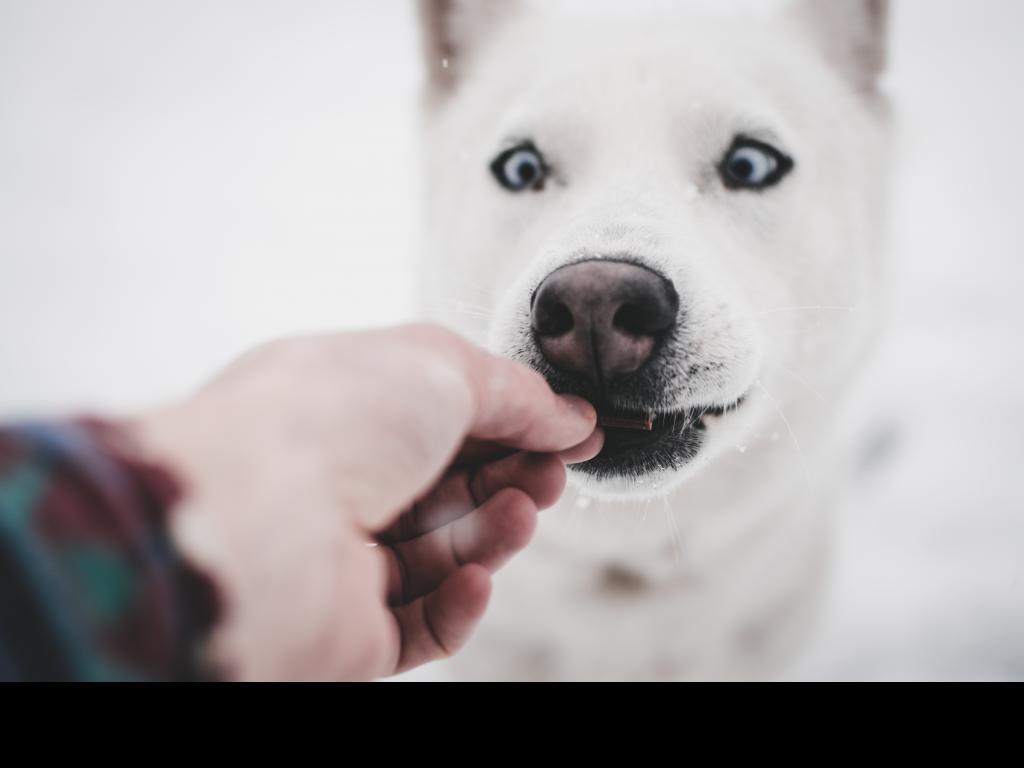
(675,212)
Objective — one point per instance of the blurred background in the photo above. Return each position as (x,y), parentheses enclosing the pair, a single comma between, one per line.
(180,180)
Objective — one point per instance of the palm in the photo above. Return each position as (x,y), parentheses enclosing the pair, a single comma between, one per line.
(440,553)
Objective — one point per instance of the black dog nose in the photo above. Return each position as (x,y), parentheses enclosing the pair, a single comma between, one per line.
(601,318)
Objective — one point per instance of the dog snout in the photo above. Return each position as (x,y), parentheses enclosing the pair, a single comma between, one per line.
(602,318)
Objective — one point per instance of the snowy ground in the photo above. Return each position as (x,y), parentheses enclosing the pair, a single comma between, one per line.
(180,180)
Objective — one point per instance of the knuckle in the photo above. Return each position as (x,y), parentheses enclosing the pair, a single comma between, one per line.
(437,337)
(519,520)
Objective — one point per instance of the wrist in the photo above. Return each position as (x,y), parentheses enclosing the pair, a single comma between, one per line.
(161,487)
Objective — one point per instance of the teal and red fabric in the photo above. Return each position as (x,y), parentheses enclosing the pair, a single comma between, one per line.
(91,587)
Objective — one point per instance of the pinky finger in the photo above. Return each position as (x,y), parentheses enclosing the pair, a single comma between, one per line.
(438,624)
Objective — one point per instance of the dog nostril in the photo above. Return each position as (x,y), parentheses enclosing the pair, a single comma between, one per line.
(552,319)
(642,320)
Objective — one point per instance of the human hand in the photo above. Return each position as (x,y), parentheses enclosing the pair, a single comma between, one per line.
(350,495)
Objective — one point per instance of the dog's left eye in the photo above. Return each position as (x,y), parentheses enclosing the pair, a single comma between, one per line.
(752,164)
(520,167)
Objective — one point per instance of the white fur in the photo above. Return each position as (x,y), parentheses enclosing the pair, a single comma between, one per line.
(712,570)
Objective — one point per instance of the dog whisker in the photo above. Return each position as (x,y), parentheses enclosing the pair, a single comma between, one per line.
(799,380)
(474,313)
(460,308)
(672,530)
(465,306)
(789,429)
(806,308)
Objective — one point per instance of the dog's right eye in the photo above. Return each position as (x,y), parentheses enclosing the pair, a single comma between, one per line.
(520,167)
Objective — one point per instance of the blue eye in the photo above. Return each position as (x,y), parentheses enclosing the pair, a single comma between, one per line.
(520,167)
(752,164)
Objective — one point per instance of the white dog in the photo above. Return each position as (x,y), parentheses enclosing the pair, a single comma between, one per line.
(675,212)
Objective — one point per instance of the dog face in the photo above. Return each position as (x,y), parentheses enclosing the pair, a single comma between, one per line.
(655,207)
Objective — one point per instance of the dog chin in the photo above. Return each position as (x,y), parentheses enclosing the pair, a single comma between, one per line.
(640,464)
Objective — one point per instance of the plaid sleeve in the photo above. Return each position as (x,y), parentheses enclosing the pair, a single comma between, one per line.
(91,587)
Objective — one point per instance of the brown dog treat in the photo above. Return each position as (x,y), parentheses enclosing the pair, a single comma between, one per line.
(645,423)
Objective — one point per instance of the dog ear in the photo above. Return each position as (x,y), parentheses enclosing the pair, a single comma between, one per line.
(451,28)
(852,35)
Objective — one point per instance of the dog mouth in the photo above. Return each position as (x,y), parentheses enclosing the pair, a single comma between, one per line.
(639,443)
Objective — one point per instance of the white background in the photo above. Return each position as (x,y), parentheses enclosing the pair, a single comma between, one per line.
(179,180)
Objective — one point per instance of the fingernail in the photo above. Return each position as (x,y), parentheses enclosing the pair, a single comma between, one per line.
(579,407)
